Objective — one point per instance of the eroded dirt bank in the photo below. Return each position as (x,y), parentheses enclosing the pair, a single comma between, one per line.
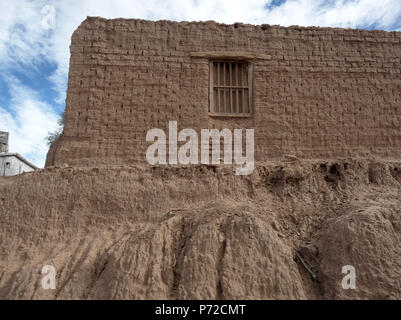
(202,232)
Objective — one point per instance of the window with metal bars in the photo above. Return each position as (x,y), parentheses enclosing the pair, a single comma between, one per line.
(230,88)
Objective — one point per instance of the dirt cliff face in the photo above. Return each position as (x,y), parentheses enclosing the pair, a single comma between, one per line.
(201,232)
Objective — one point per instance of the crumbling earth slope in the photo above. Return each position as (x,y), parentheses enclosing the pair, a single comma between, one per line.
(201,232)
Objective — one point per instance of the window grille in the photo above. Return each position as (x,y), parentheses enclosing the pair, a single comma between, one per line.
(230,88)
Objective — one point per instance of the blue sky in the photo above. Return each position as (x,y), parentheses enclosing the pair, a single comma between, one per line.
(35,38)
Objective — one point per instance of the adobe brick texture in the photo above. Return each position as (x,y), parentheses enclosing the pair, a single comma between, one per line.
(325,92)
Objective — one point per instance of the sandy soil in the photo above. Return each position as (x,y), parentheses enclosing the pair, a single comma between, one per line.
(201,232)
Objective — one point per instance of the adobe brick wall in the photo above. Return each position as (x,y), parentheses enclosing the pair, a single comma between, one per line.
(325,92)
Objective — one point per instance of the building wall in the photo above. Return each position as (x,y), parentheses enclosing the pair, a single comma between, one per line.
(11,166)
(3,141)
(324,93)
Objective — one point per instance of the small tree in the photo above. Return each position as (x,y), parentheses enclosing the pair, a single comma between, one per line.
(52,136)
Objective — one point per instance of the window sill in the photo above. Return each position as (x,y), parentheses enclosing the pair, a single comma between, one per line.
(230,115)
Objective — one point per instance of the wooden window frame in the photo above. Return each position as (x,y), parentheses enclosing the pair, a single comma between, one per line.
(212,87)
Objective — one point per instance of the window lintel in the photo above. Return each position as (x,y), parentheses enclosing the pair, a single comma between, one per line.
(231,55)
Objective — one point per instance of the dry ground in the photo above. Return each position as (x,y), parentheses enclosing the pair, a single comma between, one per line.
(201,232)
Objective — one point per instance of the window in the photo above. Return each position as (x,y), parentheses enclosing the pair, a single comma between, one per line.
(230,88)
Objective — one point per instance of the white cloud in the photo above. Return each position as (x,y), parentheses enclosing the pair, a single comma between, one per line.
(28,120)
(342,13)
(23,40)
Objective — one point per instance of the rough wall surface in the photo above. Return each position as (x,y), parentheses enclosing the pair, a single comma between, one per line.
(324,93)
(126,232)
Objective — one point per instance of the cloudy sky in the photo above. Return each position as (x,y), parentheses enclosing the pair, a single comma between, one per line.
(35,38)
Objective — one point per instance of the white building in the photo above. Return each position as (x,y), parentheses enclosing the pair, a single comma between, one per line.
(12,163)
(3,141)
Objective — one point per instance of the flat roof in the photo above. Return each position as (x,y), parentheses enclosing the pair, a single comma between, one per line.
(17,155)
